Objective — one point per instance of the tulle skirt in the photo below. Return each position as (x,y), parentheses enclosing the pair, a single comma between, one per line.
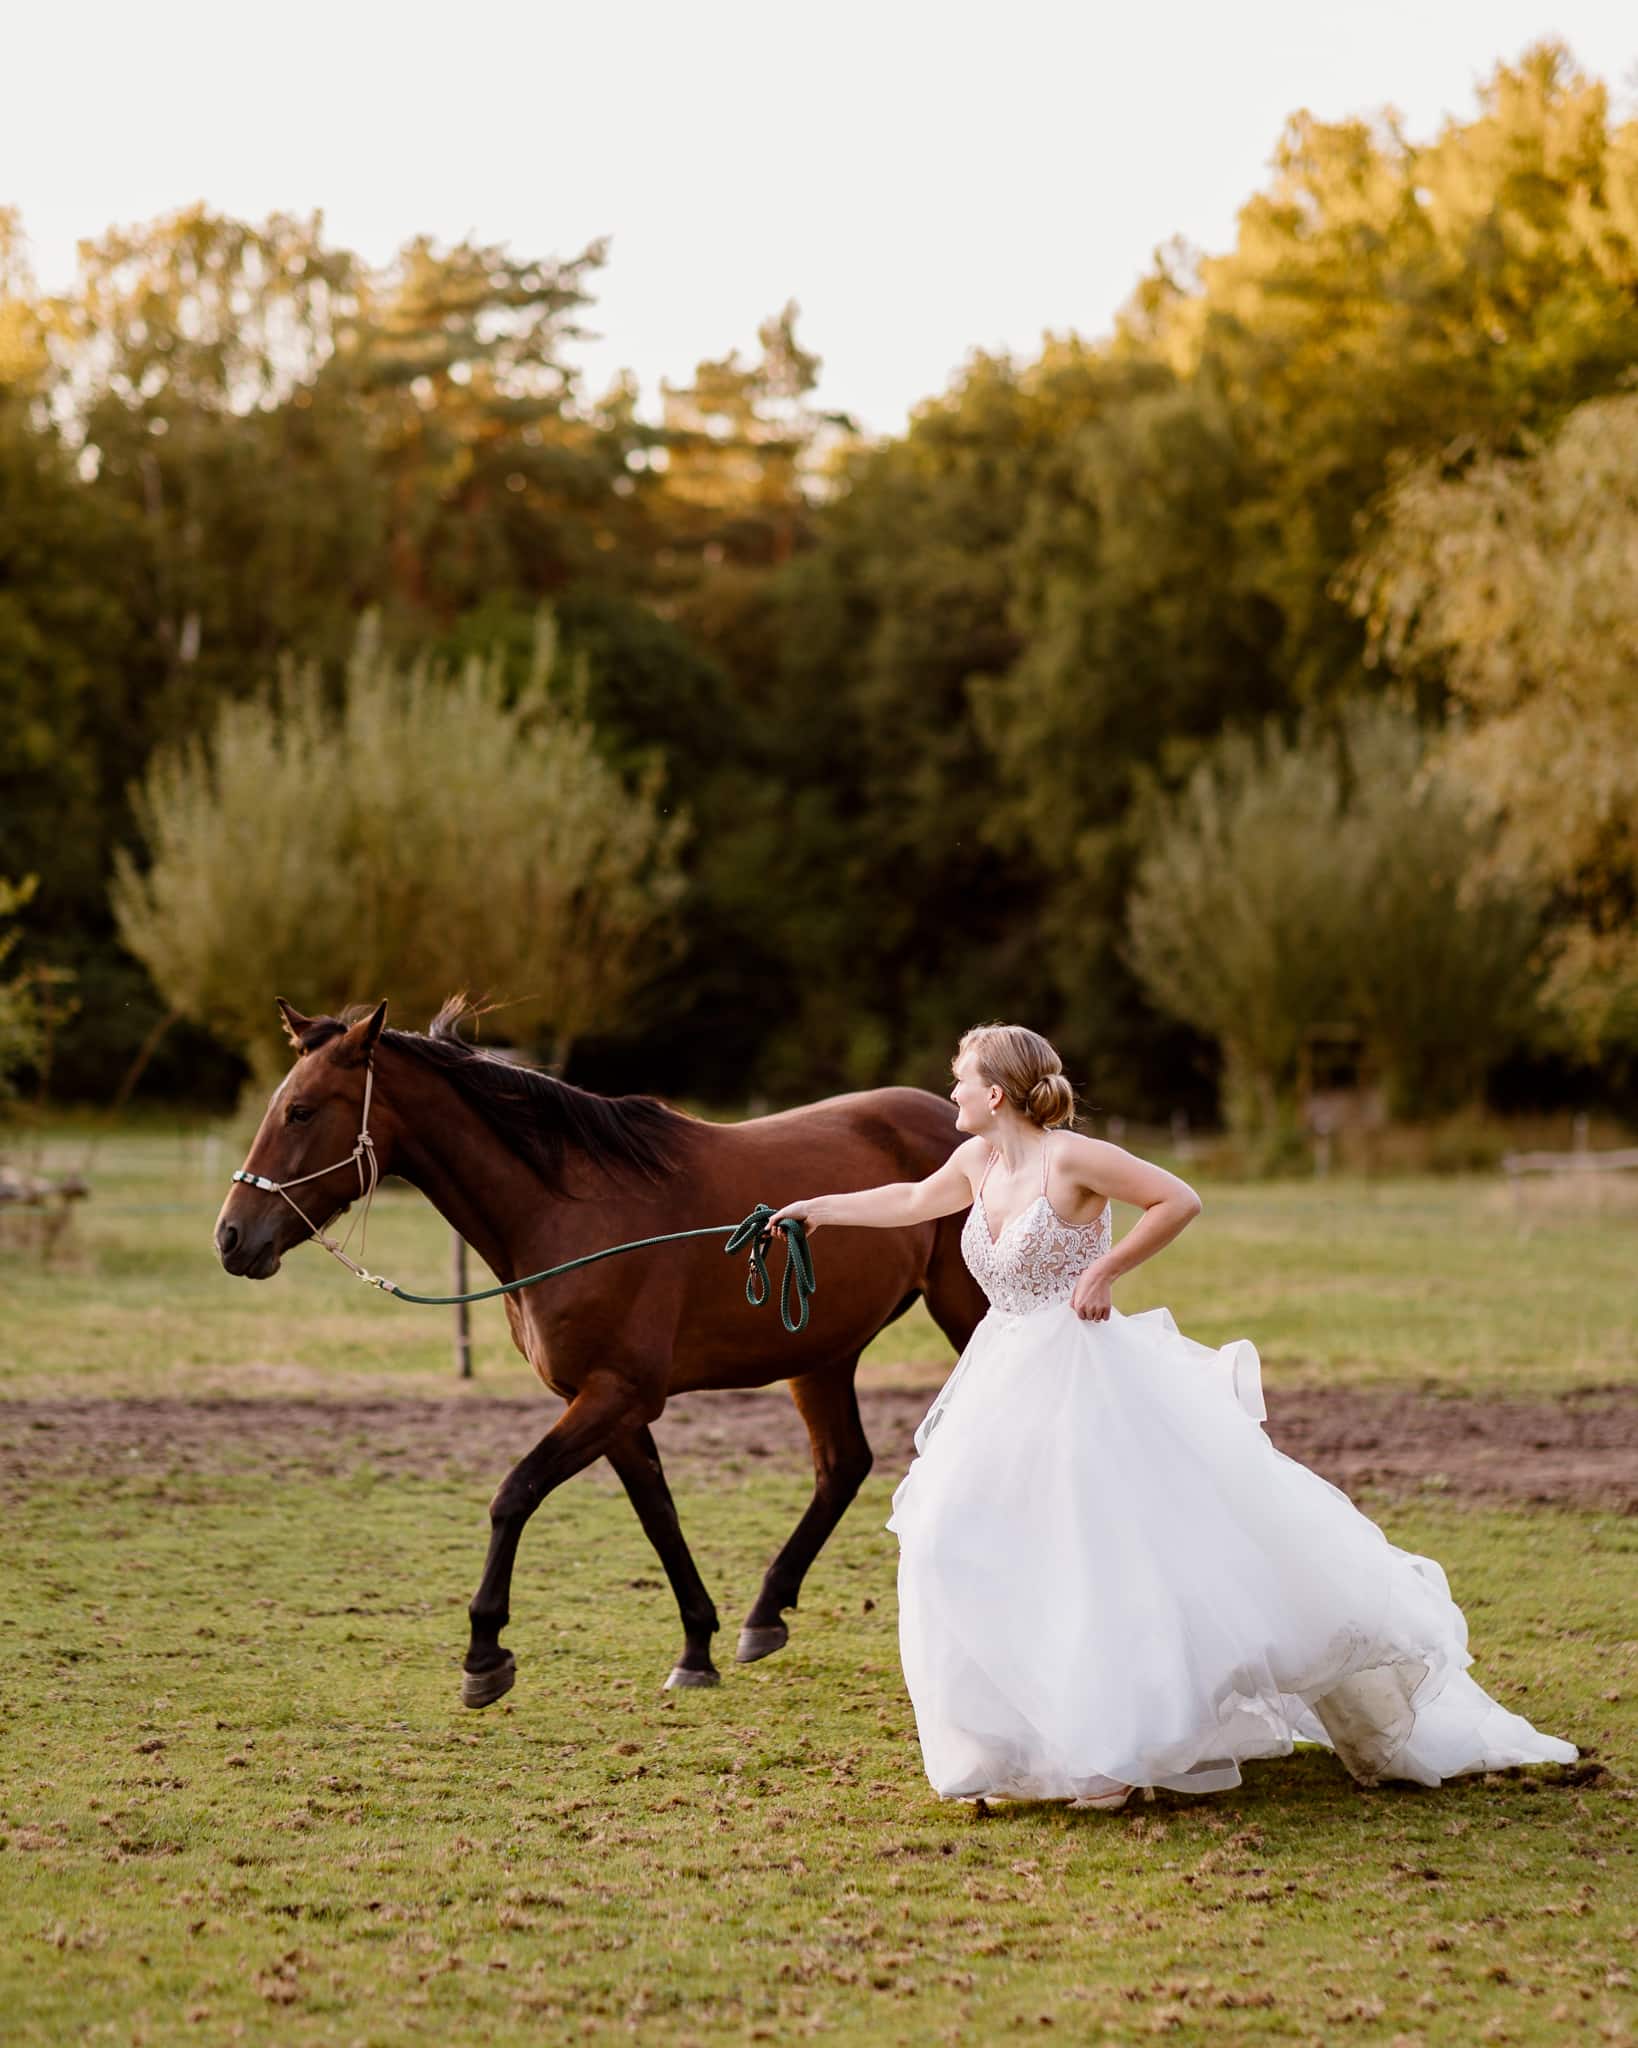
(1107,1571)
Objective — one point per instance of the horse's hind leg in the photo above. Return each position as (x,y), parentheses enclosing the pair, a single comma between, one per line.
(829,1406)
(955,1301)
(637,1460)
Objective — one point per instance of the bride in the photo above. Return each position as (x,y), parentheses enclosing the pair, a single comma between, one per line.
(1109,1578)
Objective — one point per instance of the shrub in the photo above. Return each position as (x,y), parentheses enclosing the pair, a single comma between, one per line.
(417,835)
(1332,878)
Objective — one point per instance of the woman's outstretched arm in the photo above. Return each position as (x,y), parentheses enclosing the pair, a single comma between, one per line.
(898,1202)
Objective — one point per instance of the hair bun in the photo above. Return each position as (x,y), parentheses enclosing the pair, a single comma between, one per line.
(1051,1101)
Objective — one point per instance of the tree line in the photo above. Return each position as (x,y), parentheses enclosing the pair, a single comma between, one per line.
(1267,666)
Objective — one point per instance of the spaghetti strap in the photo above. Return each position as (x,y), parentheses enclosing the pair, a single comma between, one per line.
(984,1176)
(1044,1136)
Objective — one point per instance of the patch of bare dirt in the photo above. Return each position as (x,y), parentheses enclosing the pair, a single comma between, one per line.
(1578,1450)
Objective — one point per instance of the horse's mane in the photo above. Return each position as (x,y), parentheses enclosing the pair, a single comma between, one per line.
(537,1116)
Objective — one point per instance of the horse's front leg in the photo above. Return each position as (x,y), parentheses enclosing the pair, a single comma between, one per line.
(602,1410)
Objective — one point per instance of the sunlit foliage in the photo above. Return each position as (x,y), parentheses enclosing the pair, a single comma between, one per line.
(1516,579)
(1294,886)
(423,834)
(912,691)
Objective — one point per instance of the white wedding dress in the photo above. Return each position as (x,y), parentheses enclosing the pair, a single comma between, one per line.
(1107,1571)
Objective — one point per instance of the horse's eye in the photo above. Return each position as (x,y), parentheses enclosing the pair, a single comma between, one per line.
(299,1113)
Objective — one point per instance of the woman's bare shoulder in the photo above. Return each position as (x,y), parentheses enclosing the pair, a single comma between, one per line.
(1080,1150)
(1109,1169)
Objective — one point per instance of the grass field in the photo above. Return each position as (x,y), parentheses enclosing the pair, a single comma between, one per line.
(240,1801)
(236,1790)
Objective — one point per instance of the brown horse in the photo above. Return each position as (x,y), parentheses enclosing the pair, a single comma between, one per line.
(533,1172)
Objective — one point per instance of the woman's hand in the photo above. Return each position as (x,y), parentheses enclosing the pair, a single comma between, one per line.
(1090,1298)
(812,1210)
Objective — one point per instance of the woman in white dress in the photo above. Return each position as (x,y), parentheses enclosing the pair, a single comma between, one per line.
(1109,1578)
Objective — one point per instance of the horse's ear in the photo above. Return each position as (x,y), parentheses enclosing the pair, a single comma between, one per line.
(295,1024)
(355,1047)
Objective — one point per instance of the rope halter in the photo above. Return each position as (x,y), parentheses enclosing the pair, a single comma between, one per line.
(369,1174)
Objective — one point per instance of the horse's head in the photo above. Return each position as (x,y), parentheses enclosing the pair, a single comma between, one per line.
(307,1142)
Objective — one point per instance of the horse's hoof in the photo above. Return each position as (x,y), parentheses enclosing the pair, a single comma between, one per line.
(761,1642)
(483,1688)
(682,1676)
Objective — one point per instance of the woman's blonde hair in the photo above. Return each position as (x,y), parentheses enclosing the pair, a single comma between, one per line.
(1025,1068)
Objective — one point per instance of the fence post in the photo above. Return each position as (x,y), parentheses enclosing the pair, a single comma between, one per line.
(463,1324)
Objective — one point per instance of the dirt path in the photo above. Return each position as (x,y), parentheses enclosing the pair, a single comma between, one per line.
(1579,1450)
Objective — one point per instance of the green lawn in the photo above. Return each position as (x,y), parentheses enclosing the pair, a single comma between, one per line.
(1397,1281)
(238,1799)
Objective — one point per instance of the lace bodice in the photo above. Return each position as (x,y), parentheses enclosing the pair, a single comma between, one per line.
(1038,1257)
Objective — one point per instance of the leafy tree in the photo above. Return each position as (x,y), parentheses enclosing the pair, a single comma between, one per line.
(656,701)
(233,439)
(292,436)
(1514,580)
(60,635)
(21,1030)
(497,480)
(423,833)
(187,355)
(1297,884)
(911,692)
(1385,296)
(1177,550)
(1137,642)
(897,917)
(65,638)
(741,443)
(1445,973)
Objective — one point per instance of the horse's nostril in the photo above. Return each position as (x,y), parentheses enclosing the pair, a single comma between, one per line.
(227,1236)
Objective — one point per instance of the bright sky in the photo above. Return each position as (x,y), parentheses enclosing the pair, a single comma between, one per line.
(923,176)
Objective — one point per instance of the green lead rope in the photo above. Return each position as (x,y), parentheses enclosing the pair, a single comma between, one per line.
(796,1285)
